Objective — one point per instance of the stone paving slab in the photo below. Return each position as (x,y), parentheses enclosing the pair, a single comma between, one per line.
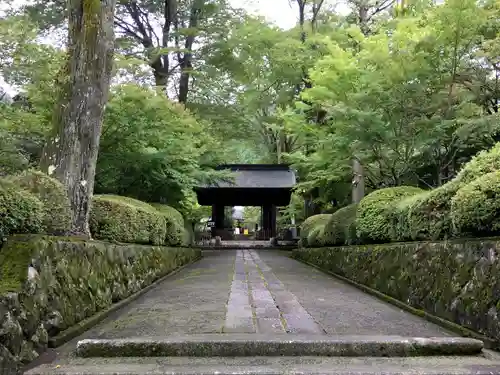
(271,366)
(340,308)
(198,299)
(192,301)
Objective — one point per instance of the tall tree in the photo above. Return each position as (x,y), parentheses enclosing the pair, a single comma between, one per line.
(71,151)
(166,34)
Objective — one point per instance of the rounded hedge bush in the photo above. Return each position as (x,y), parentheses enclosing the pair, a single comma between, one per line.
(484,162)
(341,227)
(429,216)
(314,238)
(403,223)
(169,211)
(374,213)
(124,219)
(176,233)
(53,195)
(475,208)
(20,211)
(309,224)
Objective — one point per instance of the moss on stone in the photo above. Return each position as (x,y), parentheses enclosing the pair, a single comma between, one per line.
(74,280)
(15,258)
(455,280)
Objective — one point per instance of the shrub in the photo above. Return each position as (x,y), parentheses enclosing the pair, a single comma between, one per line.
(402,228)
(176,233)
(125,219)
(309,224)
(429,217)
(374,213)
(169,211)
(315,236)
(53,195)
(484,162)
(341,227)
(475,208)
(20,211)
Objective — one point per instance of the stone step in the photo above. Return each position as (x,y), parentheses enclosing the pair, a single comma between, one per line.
(246,345)
(464,365)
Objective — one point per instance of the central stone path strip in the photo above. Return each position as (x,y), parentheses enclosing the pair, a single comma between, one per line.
(293,314)
(239,316)
(267,314)
(259,302)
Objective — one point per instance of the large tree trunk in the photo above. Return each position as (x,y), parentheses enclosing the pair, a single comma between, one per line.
(186,61)
(358,181)
(71,151)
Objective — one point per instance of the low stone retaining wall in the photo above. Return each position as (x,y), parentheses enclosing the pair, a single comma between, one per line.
(455,280)
(49,284)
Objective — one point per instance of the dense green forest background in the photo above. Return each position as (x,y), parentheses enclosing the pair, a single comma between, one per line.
(406,92)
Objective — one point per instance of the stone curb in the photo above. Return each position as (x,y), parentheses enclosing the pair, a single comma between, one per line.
(453,327)
(95,319)
(284,248)
(149,369)
(250,345)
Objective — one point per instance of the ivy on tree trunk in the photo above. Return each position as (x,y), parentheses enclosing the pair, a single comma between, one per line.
(70,154)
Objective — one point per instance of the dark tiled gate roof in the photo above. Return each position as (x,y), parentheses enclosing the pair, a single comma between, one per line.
(267,176)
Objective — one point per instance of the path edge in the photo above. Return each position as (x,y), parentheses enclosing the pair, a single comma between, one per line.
(84,325)
(453,327)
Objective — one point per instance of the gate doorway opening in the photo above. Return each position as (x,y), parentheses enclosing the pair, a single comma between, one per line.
(266,186)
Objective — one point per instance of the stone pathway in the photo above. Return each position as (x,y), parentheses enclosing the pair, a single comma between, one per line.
(259,302)
(248,292)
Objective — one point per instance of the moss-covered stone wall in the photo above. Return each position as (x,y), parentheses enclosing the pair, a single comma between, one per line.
(48,284)
(455,280)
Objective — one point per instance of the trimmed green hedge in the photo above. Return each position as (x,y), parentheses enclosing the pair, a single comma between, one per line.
(53,195)
(475,208)
(20,211)
(124,219)
(484,162)
(375,212)
(341,227)
(176,233)
(402,226)
(315,236)
(310,224)
(169,212)
(33,202)
(431,217)
(462,207)
(428,216)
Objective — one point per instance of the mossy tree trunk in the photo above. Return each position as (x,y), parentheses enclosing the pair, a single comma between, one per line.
(71,151)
